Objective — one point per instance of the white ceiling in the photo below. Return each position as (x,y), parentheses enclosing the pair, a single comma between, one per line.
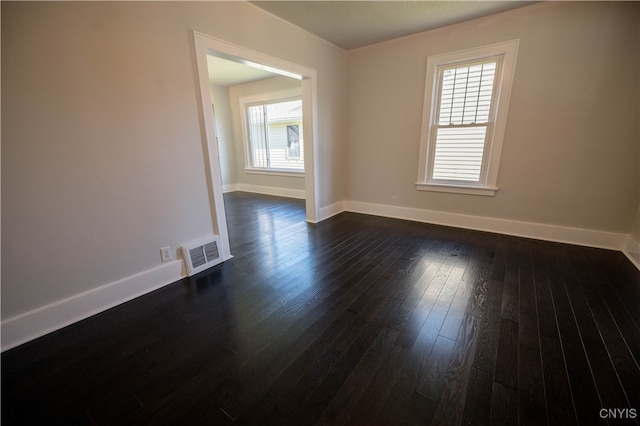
(353,24)
(224,72)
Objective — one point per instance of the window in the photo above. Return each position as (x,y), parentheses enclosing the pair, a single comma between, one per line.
(293,142)
(273,130)
(466,101)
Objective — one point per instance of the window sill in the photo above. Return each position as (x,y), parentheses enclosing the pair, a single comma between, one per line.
(457,189)
(278,172)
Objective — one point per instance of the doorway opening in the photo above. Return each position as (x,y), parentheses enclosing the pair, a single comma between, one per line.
(259,125)
(207,47)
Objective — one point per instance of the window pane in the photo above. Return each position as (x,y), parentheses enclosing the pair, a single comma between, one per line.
(276,143)
(282,118)
(458,153)
(466,92)
(257,136)
(293,142)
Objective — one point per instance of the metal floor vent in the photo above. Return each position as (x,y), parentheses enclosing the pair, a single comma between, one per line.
(201,254)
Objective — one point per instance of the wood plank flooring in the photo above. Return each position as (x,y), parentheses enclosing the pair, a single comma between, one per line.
(358,320)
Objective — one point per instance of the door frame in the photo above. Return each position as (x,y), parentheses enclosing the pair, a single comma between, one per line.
(203,44)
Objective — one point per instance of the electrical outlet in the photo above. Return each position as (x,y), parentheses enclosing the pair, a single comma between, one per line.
(394,200)
(166,254)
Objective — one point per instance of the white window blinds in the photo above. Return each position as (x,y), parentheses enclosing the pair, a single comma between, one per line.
(465,98)
(257,135)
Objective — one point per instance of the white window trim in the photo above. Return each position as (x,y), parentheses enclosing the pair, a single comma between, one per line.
(244,101)
(276,172)
(488,183)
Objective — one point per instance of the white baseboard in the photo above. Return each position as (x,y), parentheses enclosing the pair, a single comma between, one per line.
(330,210)
(632,251)
(267,190)
(540,231)
(229,188)
(46,319)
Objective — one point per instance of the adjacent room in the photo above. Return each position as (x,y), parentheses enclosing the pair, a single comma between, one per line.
(320,212)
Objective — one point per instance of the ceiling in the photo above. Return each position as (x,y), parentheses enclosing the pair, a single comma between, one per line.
(353,24)
(224,72)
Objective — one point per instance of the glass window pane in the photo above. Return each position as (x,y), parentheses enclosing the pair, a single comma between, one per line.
(466,94)
(282,118)
(275,135)
(458,153)
(257,136)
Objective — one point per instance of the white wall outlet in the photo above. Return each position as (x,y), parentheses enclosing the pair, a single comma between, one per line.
(394,200)
(166,254)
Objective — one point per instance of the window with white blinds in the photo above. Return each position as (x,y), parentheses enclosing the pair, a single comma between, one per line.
(273,131)
(466,99)
(460,133)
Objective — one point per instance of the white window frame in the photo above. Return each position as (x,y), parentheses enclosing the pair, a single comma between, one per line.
(506,52)
(271,97)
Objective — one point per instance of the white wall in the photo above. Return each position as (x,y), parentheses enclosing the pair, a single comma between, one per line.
(248,180)
(224,129)
(571,150)
(102,148)
(632,246)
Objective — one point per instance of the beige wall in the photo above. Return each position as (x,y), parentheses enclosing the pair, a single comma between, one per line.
(571,148)
(224,132)
(102,160)
(270,85)
(635,228)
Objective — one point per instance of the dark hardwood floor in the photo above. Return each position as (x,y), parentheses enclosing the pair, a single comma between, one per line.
(358,320)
